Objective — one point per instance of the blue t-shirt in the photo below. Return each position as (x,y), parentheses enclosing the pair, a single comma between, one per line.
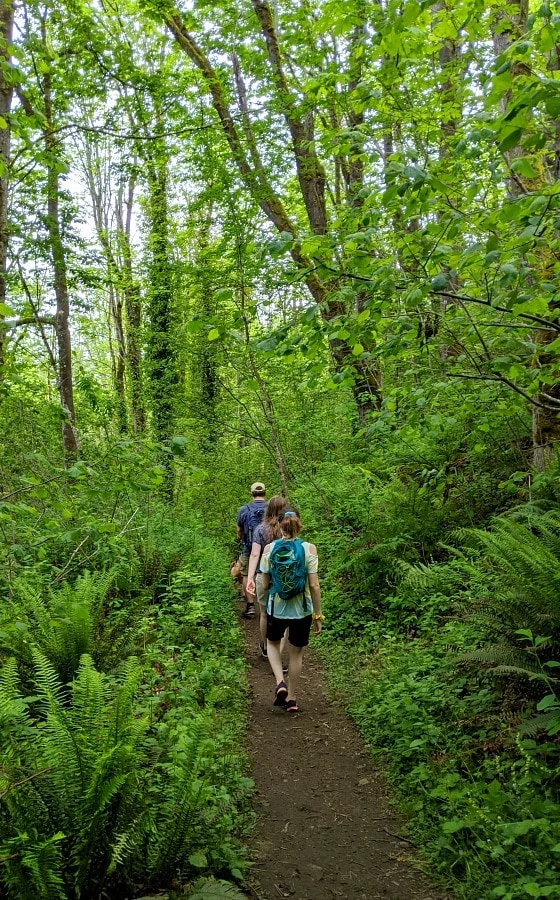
(243,521)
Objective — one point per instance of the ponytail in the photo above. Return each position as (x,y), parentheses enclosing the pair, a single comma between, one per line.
(274,510)
(290,523)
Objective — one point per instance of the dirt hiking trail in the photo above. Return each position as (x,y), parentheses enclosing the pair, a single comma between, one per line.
(324,828)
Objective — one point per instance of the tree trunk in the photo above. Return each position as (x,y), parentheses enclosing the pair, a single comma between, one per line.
(6,93)
(117,318)
(62,316)
(99,188)
(449,57)
(206,350)
(161,361)
(311,179)
(545,417)
(133,314)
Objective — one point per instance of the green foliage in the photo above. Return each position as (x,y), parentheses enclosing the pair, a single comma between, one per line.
(521,607)
(109,779)
(444,642)
(71,763)
(69,621)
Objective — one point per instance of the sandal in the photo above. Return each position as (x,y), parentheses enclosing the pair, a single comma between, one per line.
(280,694)
(292,707)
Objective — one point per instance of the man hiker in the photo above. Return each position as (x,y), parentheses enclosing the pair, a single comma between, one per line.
(248,518)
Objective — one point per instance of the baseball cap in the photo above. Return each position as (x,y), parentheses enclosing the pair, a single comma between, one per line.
(258,488)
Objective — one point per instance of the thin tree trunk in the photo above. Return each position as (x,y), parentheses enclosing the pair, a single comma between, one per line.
(6,93)
(206,350)
(117,318)
(99,188)
(133,313)
(62,316)
(449,56)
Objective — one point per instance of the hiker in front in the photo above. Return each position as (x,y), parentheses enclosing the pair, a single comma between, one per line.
(267,531)
(248,518)
(289,568)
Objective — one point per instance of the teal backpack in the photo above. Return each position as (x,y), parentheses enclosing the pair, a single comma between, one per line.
(288,570)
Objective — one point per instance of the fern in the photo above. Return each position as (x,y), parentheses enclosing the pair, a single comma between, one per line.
(31,867)
(504,657)
(522,603)
(184,803)
(209,889)
(547,721)
(89,750)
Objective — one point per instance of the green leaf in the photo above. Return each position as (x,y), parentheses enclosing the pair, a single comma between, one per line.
(440,282)
(213,334)
(548,702)
(198,859)
(5,310)
(281,245)
(510,140)
(357,349)
(224,294)
(509,269)
(453,825)
(538,205)
(523,166)
(194,326)
(178,443)
(538,890)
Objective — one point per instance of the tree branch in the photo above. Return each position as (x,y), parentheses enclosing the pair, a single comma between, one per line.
(510,384)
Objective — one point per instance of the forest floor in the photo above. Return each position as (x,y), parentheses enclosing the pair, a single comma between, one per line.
(324,826)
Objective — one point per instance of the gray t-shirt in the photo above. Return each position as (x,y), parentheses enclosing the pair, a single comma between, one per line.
(260,536)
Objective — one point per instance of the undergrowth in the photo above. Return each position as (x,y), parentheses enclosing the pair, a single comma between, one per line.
(444,640)
(122,696)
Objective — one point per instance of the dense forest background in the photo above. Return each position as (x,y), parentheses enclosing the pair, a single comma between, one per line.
(316,244)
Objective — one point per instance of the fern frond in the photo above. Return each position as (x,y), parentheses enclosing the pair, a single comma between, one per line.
(504,657)
(209,889)
(548,721)
(126,843)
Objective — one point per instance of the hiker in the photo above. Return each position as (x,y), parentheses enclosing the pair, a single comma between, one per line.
(267,531)
(289,568)
(248,518)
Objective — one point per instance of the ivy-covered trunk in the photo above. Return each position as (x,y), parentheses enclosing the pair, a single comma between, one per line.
(161,362)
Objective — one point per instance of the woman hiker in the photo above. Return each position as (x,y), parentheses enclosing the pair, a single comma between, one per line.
(267,531)
(289,576)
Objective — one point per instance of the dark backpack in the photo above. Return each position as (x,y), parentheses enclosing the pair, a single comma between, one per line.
(253,518)
(288,570)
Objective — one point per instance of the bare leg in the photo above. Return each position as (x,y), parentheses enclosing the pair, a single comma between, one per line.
(262,622)
(275,660)
(294,671)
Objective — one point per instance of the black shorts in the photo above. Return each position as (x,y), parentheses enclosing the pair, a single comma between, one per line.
(298,630)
